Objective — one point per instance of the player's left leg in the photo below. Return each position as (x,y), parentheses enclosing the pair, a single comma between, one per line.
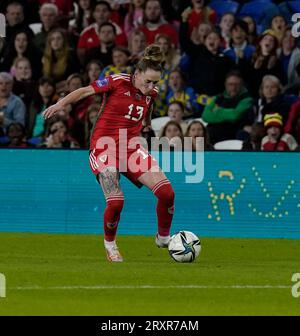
(162,189)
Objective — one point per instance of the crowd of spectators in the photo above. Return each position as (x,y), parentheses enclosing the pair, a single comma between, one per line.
(225,76)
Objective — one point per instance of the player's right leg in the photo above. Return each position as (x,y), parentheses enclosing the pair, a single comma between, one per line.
(109,181)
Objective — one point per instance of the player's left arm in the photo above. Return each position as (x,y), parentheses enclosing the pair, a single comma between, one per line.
(147,120)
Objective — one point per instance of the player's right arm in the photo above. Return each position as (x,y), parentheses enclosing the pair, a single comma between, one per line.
(71,98)
(99,86)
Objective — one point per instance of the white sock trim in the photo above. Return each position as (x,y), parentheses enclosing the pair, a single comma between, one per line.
(164,239)
(109,244)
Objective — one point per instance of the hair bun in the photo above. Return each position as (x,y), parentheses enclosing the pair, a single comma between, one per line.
(153,53)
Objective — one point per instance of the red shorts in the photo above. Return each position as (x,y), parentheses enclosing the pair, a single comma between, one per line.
(132,164)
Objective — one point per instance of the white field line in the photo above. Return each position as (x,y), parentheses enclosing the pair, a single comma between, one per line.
(97,287)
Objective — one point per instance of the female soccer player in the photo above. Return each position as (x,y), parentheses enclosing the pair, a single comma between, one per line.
(126,106)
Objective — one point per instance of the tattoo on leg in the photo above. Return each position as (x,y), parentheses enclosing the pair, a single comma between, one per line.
(109,179)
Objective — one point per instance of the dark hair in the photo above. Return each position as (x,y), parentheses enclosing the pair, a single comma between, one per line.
(101,2)
(172,123)
(207,144)
(108,24)
(151,59)
(278,15)
(179,103)
(50,122)
(122,49)
(234,73)
(48,80)
(241,24)
(16,124)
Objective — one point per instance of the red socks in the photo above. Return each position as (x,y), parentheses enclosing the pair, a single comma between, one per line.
(112,215)
(165,209)
(165,206)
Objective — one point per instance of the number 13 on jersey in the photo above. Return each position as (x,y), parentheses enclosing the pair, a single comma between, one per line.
(135,113)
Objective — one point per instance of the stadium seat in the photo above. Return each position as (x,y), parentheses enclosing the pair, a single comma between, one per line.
(229,145)
(221,7)
(261,11)
(36,27)
(158,123)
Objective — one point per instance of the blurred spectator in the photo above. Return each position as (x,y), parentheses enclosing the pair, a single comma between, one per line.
(171,56)
(264,61)
(225,25)
(171,60)
(252,30)
(207,66)
(276,139)
(57,136)
(290,58)
(175,111)
(272,99)
(21,45)
(230,112)
(279,26)
(24,86)
(178,91)
(83,17)
(197,129)
(172,132)
(156,24)
(44,97)
(91,36)
(59,61)
(240,51)
(103,52)
(65,11)
(253,143)
(120,62)
(15,20)
(2,40)
(76,114)
(92,71)
(12,108)
(90,120)
(136,44)
(293,123)
(200,33)
(16,136)
(134,17)
(48,16)
(148,133)
(199,13)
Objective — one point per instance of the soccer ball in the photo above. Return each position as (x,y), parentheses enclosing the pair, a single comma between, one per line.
(184,246)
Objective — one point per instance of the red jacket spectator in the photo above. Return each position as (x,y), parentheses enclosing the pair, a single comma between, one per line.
(206,15)
(155,23)
(89,38)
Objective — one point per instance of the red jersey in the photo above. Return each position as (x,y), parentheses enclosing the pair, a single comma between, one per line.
(89,37)
(123,107)
(196,18)
(166,29)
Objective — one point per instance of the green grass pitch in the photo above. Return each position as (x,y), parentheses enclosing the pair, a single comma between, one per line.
(69,275)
